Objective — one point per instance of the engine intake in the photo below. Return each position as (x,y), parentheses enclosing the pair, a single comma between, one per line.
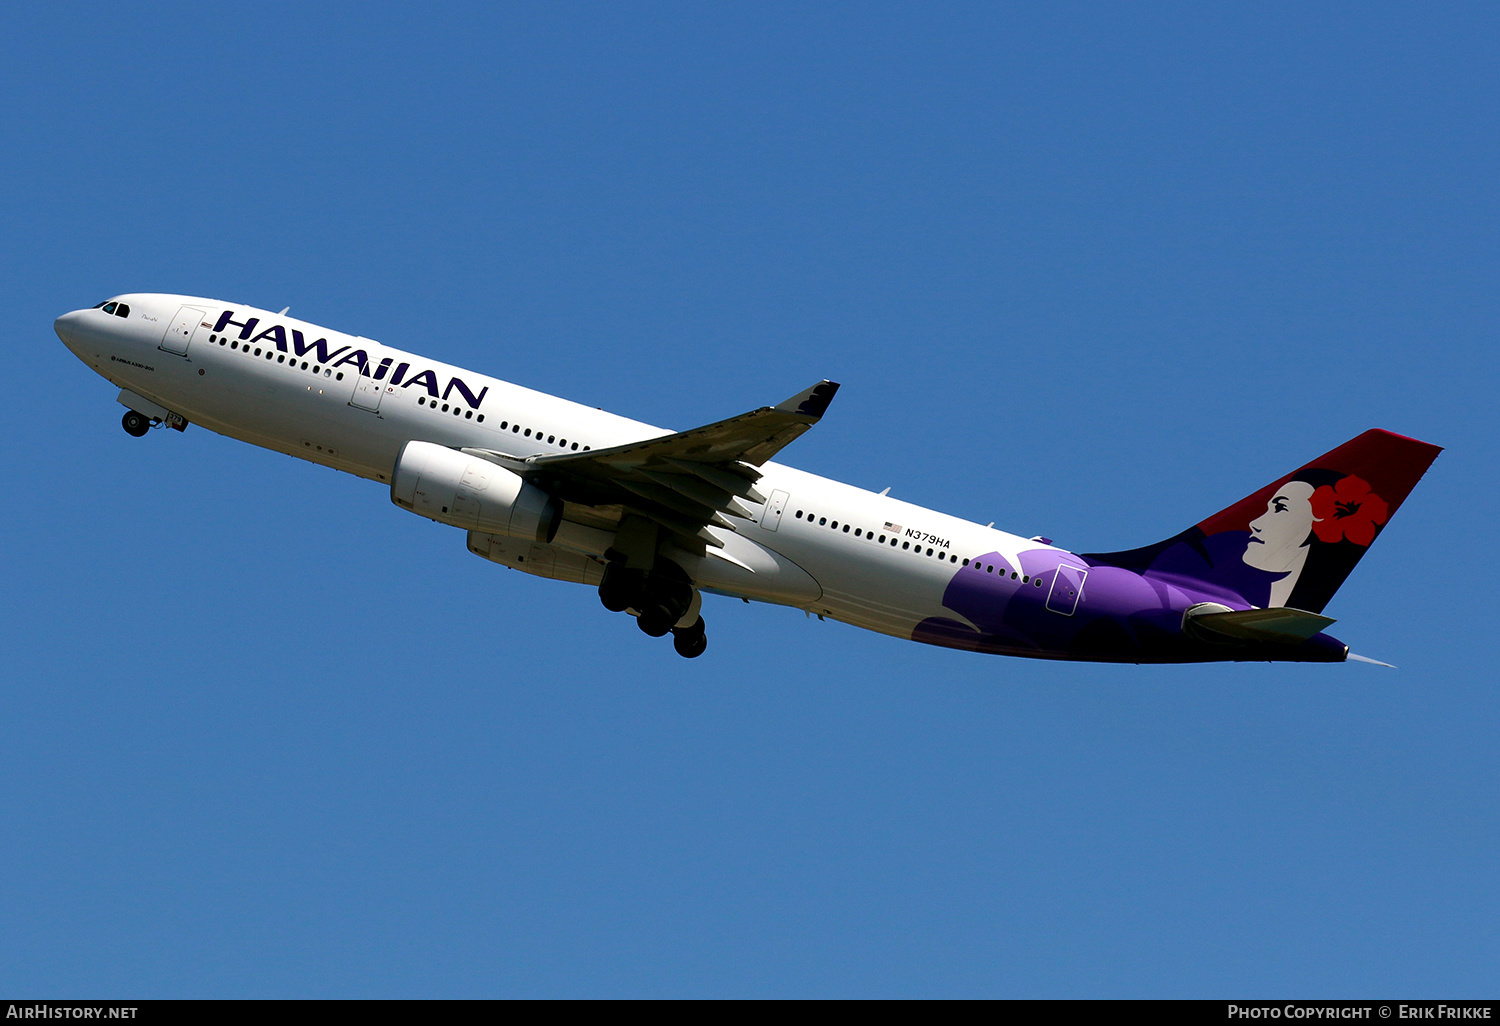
(450,487)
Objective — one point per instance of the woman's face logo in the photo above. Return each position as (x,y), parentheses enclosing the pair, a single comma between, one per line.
(1278,540)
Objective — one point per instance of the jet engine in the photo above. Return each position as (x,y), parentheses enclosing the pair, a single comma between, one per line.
(450,487)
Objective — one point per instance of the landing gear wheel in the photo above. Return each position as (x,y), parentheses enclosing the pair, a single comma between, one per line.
(136,424)
(690,642)
(655,620)
(620,589)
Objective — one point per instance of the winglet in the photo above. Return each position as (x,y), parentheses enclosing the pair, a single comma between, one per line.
(812,402)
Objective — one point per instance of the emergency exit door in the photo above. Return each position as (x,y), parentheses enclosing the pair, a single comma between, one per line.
(775,506)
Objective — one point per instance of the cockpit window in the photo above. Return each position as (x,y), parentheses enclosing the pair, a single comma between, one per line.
(99,304)
(110,307)
(122,310)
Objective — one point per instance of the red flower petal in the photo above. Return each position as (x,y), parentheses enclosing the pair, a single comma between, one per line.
(1351,488)
(1324,506)
(1360,531)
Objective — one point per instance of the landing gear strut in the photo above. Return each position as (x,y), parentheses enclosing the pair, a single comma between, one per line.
(136,424)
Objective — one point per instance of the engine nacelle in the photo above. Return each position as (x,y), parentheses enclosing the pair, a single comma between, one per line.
(450,487)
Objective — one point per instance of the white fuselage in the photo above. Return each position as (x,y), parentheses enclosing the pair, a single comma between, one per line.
(297,388)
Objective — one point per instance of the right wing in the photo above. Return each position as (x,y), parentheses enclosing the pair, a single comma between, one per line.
(685,482)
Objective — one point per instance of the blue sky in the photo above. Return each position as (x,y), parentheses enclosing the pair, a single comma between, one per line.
(1088,271)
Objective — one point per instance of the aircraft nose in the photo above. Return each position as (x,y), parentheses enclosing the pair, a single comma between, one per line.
(66,327)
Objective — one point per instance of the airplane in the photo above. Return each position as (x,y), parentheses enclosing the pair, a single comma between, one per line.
(655,519)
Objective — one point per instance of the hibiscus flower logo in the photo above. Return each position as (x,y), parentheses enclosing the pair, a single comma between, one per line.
(1348,509)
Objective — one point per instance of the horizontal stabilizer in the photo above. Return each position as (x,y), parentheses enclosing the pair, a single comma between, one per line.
(1282,624)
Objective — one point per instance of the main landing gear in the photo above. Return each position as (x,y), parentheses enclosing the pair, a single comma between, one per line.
(136,424)
(664,600)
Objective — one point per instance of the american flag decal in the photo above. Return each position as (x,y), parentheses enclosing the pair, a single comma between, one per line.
(893,528)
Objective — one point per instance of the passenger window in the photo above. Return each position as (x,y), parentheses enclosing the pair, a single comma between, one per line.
(575,446)
(481,418)
(835,525)
(281,359)
(445,407)
(990,568)
(822,520)
(551,439)
(257,350)
(906,545)
(846,528)
(469,415)
(528,432)
(882,539)
(421,400)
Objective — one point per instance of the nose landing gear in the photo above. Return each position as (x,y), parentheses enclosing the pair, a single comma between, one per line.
(135,424)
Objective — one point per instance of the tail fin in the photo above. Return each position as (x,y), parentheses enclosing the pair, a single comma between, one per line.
(1293,542)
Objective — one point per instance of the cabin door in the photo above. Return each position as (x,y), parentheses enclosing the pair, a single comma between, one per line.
(367,393)
(188,320)
(1067,589)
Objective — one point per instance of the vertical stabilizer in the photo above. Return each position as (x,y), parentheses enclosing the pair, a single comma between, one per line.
(1295,541)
